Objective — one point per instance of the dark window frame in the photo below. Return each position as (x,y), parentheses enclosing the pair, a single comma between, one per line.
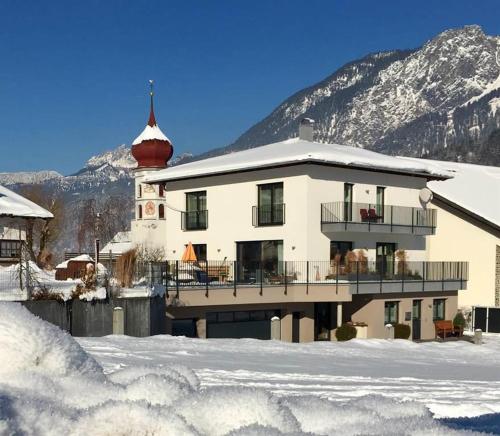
(276,213)
(434,309)
(396,318)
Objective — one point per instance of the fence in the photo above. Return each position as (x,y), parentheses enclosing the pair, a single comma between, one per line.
(236,273)
(370,213)
(486,318)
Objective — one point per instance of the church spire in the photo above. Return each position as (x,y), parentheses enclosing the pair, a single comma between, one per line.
(152,119)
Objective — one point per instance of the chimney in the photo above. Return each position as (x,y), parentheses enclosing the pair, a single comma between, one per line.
(306,129)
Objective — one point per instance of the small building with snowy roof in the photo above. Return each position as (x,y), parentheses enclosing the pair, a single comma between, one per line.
(469,227)
(15,212)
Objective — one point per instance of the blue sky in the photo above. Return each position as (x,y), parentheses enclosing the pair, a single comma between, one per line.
(73,74)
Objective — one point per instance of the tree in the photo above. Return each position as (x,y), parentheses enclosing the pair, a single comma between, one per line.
(102,220)
(41,235)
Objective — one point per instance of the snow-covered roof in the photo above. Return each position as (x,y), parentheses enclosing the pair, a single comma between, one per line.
(475,188)
(15,205)
(81,258)
(121,243)
(293,151)
(149,133)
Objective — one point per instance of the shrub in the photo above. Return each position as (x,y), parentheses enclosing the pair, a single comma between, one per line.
(459,320)
(345,332)
(401,331)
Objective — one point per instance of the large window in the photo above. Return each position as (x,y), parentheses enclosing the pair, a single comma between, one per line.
(380,201)
(195,217)
(391,312)
(270,209)
(438,309)
(338,250)
(259,260)
(348,188)
(10,249)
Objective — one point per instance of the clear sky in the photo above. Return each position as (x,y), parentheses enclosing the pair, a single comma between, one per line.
(73,74)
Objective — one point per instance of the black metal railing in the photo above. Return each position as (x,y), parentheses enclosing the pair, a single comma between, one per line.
(221,274)
(372,213)
(194,220)
(268,215)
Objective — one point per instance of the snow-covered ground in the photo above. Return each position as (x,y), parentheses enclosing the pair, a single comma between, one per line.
(52,384)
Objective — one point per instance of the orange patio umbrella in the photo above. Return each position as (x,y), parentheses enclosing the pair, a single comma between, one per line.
(189,254)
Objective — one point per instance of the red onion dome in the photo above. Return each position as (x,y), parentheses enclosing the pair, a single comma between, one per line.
(152,149)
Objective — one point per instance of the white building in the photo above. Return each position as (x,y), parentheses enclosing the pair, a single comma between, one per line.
(316,234)
(469,228)
(15,211)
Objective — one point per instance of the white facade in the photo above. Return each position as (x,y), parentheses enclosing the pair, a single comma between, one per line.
(230,199)
(148,228)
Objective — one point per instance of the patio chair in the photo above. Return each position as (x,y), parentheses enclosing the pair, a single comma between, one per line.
(372,213)
(364,215)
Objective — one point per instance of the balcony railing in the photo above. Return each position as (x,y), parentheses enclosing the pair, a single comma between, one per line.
(375,217)
(268,215)
(361,276)
(194,220)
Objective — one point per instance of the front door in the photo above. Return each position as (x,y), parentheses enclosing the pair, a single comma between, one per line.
(416,319)
(385,258)
(296,326)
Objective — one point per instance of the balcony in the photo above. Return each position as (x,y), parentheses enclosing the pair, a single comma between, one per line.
(268,215)
(194,220)
(368,217)
(220,282)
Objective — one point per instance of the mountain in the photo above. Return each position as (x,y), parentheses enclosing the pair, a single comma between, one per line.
(437,101)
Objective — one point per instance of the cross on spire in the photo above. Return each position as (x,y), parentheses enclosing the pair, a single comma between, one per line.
(152,119)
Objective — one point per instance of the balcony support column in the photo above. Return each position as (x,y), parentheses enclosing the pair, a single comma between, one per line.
(339,314)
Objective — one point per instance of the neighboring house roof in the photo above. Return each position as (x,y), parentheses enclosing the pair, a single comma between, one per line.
(474,188)
(121,243)
(15,205)
(297,151)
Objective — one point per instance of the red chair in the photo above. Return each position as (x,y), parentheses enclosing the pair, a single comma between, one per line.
(364,214)
(372,213)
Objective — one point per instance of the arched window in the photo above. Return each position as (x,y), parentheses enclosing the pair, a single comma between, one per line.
(161,190)
(139,212)
(161,211)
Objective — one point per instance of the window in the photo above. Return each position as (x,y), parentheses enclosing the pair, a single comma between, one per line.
(139,190)
(200,250)
(195,217)
(270,209)
(338,250)
(139,212)
(161,211)
(348,188)
(161,190)
(438,309)
(10,249)
(391,314)
(380,200)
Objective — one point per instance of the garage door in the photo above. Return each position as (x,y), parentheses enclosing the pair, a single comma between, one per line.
(240,324)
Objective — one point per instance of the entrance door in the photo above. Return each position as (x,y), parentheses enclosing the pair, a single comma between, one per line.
(385,258)
(296,327)
(416,319)
(322,321)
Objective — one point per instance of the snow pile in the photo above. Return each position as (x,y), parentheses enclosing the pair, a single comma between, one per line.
(29,344)
(49,385)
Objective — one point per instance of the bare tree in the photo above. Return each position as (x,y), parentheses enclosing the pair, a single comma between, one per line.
(41,235)
(102,220)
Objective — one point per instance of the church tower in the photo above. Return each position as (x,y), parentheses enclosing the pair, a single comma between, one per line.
(152,150)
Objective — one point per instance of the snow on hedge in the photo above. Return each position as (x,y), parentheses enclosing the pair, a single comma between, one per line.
(50,385)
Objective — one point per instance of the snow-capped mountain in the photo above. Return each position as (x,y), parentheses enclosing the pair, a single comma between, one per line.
(440,100)
(27,177)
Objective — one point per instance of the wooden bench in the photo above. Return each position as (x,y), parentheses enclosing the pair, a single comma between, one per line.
(218,273)
(445,328)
